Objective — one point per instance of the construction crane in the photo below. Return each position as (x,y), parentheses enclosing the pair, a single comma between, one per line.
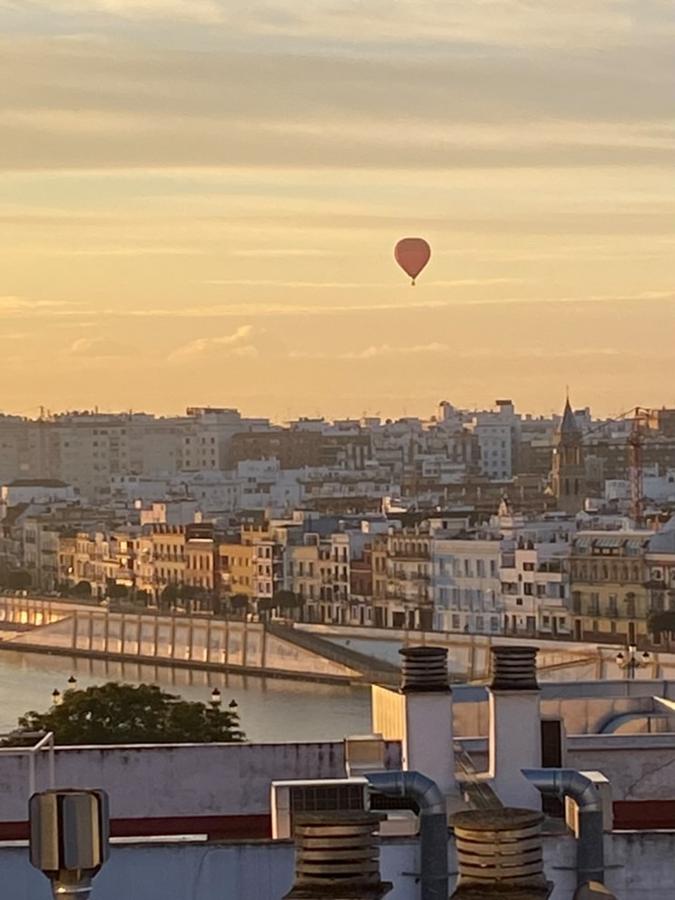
(641,423)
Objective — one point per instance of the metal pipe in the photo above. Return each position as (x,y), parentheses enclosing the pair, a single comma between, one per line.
(590,841)
(433,825)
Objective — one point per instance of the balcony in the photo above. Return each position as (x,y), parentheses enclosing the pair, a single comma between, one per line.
(409,554)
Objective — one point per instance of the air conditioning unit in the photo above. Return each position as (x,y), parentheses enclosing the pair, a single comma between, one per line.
(604,790)
(290,798)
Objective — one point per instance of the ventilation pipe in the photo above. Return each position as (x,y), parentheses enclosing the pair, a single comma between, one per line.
(433,825)
(337,856)
(515,724)
(499,854)
(590,838)
(428,729)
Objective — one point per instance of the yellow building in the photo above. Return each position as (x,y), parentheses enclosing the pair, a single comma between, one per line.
(610,600)
(235,567)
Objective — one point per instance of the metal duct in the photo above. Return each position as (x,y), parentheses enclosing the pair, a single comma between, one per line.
(433,825)
(590,842)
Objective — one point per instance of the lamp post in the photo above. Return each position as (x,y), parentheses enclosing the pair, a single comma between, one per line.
(57,698)
(629,661)
(216,698)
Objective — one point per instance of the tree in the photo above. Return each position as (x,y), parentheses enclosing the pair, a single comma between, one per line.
(288,600)
(117,591)
(661,622)
(81,589)
(239,603)
(129,714)
(18,580)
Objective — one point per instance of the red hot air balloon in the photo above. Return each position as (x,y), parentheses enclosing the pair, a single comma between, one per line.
(412,255)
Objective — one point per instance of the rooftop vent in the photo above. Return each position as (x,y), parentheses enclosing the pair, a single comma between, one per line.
(424,669)
(499,852)
(337,856)
(514,669)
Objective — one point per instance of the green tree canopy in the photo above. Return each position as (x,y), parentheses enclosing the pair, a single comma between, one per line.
(129,714)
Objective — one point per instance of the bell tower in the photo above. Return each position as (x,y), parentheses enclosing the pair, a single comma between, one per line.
(569,472)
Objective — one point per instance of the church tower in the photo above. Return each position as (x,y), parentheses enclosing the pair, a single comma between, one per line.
(569,473)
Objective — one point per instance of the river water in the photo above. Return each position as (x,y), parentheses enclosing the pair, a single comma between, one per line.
(270,709)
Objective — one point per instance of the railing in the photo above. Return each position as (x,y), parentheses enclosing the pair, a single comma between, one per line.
(45,743)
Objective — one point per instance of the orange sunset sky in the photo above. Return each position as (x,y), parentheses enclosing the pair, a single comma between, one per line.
(199,202)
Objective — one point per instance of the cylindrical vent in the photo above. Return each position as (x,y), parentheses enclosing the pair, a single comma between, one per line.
(337,855)
(424,669)
(514,669)
(499,850)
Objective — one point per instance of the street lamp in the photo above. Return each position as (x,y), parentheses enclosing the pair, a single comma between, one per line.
(57,699)
(216,698)
(630,661)
(72,681)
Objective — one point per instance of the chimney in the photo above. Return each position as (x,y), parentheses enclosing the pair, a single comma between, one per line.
(499,854)
(515,724)
(428,728)
(337,857)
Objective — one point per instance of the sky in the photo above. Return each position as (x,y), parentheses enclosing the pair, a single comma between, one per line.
(199,201)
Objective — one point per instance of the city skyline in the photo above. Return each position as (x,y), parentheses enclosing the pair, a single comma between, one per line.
(200,204)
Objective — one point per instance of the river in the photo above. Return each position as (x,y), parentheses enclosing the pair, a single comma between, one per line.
(270,709)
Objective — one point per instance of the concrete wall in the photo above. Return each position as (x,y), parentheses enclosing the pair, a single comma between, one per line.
(186,780)
(242,645)
(469,654)
(228,780)
(638,866)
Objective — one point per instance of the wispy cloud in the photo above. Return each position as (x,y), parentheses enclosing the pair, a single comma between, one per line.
(236,344)
(373,352)
(99,348)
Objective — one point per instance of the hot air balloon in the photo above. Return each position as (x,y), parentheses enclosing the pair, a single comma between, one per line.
(412,255)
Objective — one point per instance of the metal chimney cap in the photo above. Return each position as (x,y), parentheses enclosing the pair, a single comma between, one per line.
(514,668)
(338,857)
(505,818)
(424,670)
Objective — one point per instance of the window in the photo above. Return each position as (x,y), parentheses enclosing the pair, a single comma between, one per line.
(527,588)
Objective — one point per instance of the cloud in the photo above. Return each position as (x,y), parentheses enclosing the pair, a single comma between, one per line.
(232,345)
(373,352)
(199,11)
(414,107)
(99,348)
(274,253)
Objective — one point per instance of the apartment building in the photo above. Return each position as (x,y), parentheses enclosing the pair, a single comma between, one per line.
(409,576)
(535,588)
(466,584)
(608,584)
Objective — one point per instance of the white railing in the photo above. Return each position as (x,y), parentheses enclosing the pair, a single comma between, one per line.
(45,743)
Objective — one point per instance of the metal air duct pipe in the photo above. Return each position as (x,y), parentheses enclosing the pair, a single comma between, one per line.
(590,840)
(433,825)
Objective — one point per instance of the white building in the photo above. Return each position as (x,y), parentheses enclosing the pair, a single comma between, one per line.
(466,585)
(498,434)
